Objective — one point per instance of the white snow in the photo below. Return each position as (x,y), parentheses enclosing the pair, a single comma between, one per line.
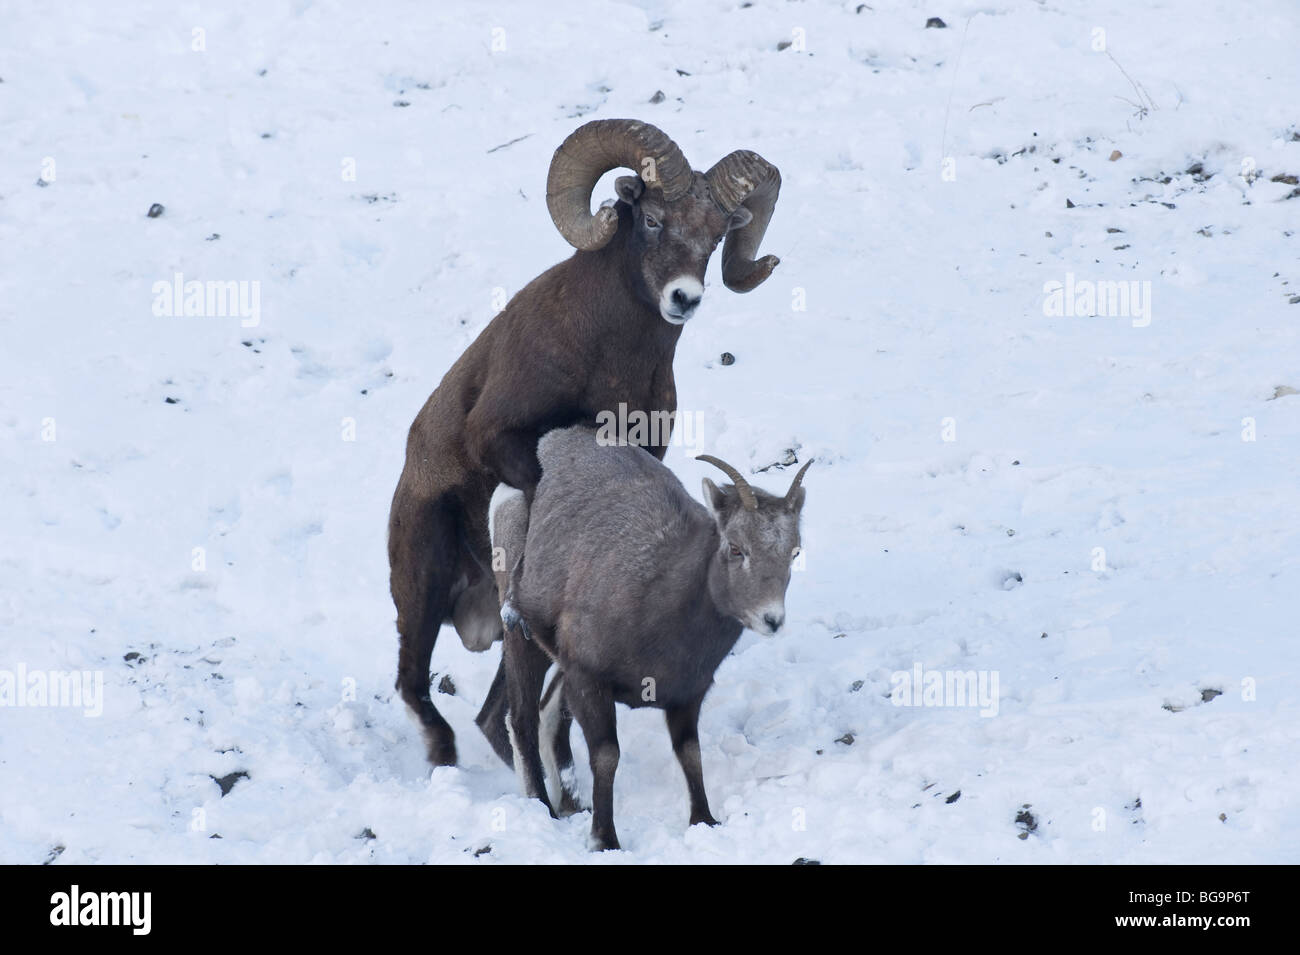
(905,297)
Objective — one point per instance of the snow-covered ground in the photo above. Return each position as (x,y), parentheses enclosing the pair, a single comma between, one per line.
(1099,511)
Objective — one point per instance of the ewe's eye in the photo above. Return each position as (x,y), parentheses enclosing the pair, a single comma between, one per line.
(651,222)
(736,551)
(794,554)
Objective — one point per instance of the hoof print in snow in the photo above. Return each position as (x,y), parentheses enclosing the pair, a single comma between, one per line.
(935,23)
(367,834)
(788,457)
(1012,580)
(54,853)
(846,739)
(482,851)
(658,97)
(953,798)
(855,686)
(446,686)
(1209,693)
(155,210)
(1281,391)
(172,401)
(227,782)
(727,358)
(802,861)
(1026,821)
(1172,707)
(401,102)
(1069,204)
(134,657)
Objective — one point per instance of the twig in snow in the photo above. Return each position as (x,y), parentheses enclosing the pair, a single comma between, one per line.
(518,139)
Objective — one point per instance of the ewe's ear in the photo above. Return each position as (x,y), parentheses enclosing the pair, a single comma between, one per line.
(713,498)
(794,503)
(740,218)
(629,188)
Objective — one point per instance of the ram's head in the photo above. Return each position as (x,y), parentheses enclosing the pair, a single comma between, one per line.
(674,216)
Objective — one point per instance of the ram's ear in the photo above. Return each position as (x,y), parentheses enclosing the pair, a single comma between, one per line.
(629,188)
(713,498)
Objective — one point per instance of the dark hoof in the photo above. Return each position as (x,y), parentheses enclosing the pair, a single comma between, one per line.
(569,804)
(705,818)
(598,843)
(442,752)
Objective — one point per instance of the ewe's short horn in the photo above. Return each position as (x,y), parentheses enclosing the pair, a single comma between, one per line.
(593,150)
(742,486)
(798,479)
(745,178)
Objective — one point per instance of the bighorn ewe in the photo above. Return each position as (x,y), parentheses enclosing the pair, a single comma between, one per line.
(594,331)
(637,592)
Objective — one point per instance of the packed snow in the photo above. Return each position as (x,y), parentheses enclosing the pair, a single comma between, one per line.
(1087,502)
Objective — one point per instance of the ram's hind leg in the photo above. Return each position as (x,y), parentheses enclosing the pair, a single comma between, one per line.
(491,718)
(422,556)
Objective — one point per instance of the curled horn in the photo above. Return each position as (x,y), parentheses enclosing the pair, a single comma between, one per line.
(593,150)
(742,486)
(745,178)
(798,479)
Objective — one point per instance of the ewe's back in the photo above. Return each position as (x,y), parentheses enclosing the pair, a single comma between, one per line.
(608,525)
(622,490)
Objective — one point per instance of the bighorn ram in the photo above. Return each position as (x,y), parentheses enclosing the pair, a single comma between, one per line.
(594,331)
(637,592)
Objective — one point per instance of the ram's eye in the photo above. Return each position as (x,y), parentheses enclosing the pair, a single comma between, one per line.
(651,222)
(736,551)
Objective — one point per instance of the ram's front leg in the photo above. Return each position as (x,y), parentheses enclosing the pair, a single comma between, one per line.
(663,397)
(512,457)
(683,727)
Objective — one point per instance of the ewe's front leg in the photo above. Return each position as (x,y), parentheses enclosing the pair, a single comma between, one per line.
(683,727)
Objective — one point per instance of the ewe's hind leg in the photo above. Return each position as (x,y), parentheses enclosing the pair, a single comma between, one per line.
(593,708)
(683,727)
(557,751)
(526,667)
(422,555)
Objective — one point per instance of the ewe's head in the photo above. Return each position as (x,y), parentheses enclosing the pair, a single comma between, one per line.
(676,217)
(759,540)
